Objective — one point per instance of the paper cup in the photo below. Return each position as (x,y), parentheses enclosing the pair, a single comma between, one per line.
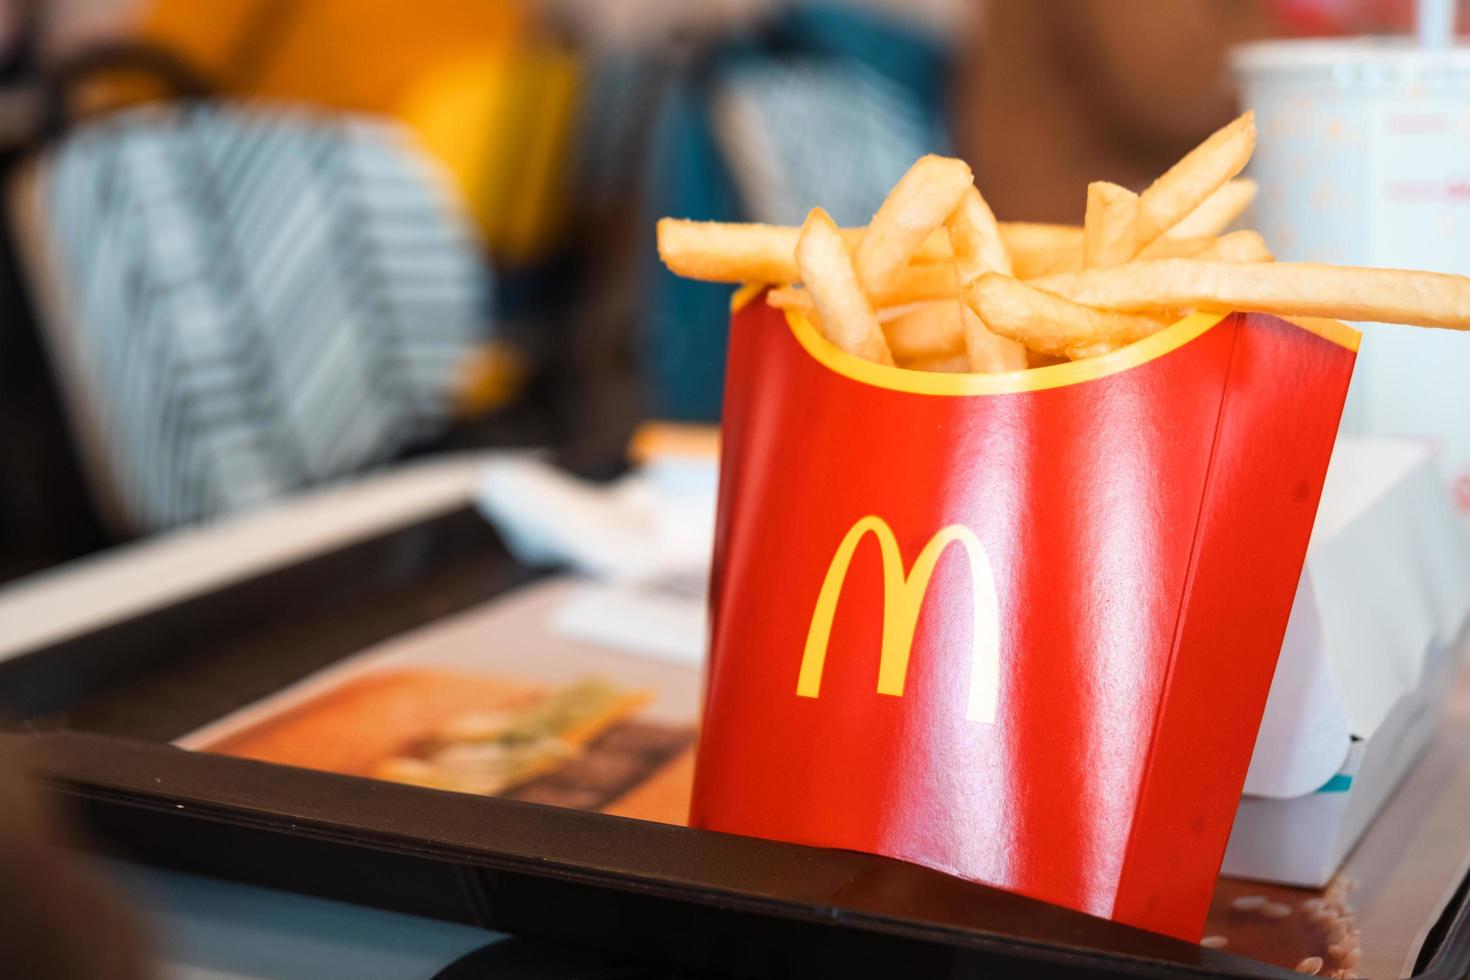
(1019,628)
(1364,159)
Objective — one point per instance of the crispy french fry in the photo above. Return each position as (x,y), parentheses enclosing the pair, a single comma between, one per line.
(1079,352)
(936,247)
(1167,247)
(1426,299)
(986,351)
(1218,211)
(716,251)
(927,331)
(926,282)
(975,238)
(797,299)
(1048,323)
(1236,246)
(946,364)
(1200,173)
(1042,249)
(921,283)
(843,311)
(918,204)
(1110,229)
(791,298)
(978,247)
(1239,247)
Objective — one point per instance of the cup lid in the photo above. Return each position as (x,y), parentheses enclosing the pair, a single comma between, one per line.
(1346,60)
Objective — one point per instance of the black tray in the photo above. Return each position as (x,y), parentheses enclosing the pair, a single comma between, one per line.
(97,712)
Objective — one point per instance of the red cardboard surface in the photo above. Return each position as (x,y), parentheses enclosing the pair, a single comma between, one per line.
(1019,628)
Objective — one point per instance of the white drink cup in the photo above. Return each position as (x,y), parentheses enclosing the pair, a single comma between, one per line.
(1364,159)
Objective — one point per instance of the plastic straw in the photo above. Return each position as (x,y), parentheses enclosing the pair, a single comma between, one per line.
(1435,23)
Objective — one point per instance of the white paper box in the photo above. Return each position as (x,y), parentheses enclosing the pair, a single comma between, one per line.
(1369,655)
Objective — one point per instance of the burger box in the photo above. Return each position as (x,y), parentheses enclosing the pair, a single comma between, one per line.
(1370,652)
(1019,628)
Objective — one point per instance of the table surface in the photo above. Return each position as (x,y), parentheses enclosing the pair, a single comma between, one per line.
(209,928)
(206,929)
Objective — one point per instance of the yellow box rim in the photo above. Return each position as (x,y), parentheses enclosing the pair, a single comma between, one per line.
(1032,379)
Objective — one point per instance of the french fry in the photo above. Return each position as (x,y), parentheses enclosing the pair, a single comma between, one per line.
(925,283)
(1200,173)
(1168,247)
(1048,323)
(928,331)
(986,351)
(978,249)
(1426,299)
(843,311)
(1038,249)
(1080,352)
(715,251)
(975,238)
(918,204)
(718,252)
(797,299)
(936,247)
(1218,211)
(1110,229)
(887,292)
(791,298)
(947,364)
(922,283)
(1239,247)
(1236,246)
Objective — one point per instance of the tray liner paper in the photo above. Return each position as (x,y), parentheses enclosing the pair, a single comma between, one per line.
(1018,628)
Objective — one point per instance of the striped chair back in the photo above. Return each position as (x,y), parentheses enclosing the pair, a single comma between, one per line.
(244,302)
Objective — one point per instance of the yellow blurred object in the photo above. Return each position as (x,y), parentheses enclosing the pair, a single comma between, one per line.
(351,54)
(653,440)
(490,376)
(511,165)
(489,94)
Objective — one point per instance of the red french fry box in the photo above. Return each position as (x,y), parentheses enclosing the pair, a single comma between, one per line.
(1017,627)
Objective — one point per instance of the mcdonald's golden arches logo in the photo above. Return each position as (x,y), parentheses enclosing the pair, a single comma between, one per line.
(903,597)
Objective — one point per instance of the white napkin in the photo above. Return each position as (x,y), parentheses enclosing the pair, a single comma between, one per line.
(654,524)
(644,539)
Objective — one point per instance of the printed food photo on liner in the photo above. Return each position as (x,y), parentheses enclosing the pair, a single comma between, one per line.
(487,702)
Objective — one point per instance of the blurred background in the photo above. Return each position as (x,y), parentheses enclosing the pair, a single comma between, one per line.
(251,248)
(254,246)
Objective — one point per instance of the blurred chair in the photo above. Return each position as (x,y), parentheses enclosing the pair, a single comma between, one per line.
(825,105)
(489,91)
(242,302)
